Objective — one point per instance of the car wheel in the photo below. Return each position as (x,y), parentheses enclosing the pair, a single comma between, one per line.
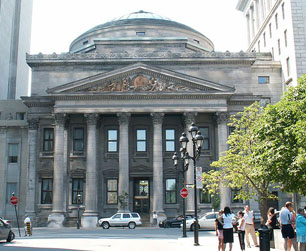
(132,225)
(105,225)
(167,225)
(11,236)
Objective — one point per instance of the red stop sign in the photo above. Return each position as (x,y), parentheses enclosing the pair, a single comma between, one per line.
(14,200)
(184,193)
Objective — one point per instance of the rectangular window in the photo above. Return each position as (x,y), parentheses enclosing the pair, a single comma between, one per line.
(231,129)
(112,191)
(112,140)
(141,145)
(170,191)
(270,30)
(77,189)
(285,38)
(264,39)
(10,188)
(12,153)
(48,143)
(263,79)
(288,66)
(46,191)
(258,45)
(235,192)
(78,139)
(205,134)
(205,197)
(20,115)
(283,10)
(140,33)
(170,140)
(279,46)
(276,21)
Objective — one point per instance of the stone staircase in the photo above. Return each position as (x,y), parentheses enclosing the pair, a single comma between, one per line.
(145,219)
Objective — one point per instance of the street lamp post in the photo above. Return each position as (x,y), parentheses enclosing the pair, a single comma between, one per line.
(197,142)
(183,170)
(79,201)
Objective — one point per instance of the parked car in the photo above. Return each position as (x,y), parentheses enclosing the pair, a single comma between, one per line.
(6,232)
(207,222)
(175,222)
(130,220)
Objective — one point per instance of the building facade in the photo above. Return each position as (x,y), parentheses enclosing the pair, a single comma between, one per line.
(279,27)
(15,39)
(104,118)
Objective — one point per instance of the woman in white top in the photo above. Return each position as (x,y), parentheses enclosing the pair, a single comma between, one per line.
(241,230)
(228,235)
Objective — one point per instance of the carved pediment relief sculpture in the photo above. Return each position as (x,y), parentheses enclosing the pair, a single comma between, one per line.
(139,83)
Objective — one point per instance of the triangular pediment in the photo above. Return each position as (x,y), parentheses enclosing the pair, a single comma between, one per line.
(140,78)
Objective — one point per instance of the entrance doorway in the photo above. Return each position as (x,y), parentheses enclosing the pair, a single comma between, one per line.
(141,196)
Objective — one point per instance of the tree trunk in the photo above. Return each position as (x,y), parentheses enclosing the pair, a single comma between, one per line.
(263,210)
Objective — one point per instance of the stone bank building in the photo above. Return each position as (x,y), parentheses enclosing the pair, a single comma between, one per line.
(104,119)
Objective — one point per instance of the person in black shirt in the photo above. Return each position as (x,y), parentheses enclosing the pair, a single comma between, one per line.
(219,231)
(272,220)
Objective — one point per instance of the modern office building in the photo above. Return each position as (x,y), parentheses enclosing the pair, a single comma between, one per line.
(279,27)
(104,118)
(15,39)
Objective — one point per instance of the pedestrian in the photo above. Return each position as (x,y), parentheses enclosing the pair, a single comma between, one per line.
(249,226)
(241,230)
(27,226)
(301,229)
(285,218)
(294,242)
(228,233)
(219,231)
(272,220)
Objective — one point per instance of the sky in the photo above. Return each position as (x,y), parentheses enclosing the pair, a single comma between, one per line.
(56,23)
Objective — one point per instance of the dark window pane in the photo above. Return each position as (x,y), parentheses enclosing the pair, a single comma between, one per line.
(205,197)
(205,134)
(48,139)
(170,191)
(13,153)
(78,139)
(77,189)
(126,216)
(235,192)
(112,191)
(46,191)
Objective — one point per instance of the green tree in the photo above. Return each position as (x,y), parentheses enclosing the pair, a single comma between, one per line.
(282,131)
(238,167)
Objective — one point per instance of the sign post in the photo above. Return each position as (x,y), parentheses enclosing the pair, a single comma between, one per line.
(14,202)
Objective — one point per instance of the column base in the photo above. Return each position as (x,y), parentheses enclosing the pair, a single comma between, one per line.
(89,220)
(56,220)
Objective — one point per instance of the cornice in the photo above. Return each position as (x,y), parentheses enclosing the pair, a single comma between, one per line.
(200,56)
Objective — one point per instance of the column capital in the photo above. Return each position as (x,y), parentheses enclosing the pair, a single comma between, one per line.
(91,118)
(157,117)
(33,123)
(60,118)
(123,118)
(189,117)
(222,117)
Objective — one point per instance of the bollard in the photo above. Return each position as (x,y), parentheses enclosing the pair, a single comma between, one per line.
(264,239)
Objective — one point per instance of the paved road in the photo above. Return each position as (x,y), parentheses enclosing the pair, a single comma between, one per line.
(115,239)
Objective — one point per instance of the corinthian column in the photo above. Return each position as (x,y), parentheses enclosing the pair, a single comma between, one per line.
(189,118)
(124,119)
(158,188)
(31,172)
(90,215)
(57,217)
(222,120)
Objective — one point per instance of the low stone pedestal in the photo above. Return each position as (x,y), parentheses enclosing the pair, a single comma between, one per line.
(89,221)
(56,220)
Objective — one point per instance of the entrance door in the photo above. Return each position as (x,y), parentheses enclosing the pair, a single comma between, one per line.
(141,196)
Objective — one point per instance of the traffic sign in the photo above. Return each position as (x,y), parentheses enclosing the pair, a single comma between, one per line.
(184,193)
(199,178)
(14,200)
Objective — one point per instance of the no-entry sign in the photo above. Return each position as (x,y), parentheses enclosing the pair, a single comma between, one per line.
(184,193)
(14,200)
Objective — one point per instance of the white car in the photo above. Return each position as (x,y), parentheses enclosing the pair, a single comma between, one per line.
(130,220)
(207,221)
(6,232)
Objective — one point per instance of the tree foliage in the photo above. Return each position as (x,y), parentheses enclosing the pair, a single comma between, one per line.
(282,133)
(237,167)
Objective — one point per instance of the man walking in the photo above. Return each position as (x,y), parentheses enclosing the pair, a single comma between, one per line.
(285,218)
(249,226)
